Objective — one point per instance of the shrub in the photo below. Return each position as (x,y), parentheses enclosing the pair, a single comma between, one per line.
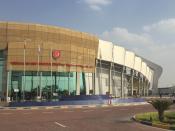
(161,105)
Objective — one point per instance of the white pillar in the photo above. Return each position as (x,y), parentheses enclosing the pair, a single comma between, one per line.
(8,83)
(122,83)
(97,81)
(87,83)
(139,87)
(143,86)
(97,85)
(40,84)
(77,83)
(69,83)
(110,75)
(132,81)
(93,83)
(100,84)
(113,83)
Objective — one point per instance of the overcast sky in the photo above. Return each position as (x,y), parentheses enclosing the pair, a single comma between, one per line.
(144,26)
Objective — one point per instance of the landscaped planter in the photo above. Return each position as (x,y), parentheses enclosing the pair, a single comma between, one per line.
(151,120)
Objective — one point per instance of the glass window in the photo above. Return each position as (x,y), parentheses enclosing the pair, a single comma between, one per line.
(44,85)
(1,77)
(72,83)
(82,84)
(1,70)
(1,54)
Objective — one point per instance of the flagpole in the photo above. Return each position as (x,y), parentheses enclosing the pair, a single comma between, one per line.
(51,71)
(58,70)
(24,80)
(39,76)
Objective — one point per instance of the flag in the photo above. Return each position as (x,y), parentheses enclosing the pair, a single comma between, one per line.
(24,45)
(39,49)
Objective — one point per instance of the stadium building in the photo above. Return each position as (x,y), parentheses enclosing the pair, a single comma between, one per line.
(45,62)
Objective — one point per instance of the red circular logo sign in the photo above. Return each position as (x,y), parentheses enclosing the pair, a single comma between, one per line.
(56,53)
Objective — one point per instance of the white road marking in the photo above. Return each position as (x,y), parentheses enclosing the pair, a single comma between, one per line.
(78,106)
(60,124)
(47,112)
(104,105)
(49,107)
(92,106)
(64,107)
(88,110)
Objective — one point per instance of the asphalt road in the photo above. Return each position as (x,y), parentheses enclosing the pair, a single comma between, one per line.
(86,119)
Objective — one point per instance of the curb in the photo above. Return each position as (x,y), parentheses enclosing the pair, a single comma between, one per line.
(168,127)
(73,106)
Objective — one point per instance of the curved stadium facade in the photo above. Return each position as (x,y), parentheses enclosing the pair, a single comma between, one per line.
(43,62)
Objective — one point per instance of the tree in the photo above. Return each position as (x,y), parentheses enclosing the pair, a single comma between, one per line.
(161,105)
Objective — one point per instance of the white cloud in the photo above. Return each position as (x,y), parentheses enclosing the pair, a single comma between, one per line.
(95,7)
(156,43)
(162,32)
(164,26)
(123,36)
(97,4)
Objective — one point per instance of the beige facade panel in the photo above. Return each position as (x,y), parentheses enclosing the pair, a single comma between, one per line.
(3,45)
(150,76)
(129,59)
(143,69)
(119,55)
(138,64)
(147,72)
(105,50)
(77,50)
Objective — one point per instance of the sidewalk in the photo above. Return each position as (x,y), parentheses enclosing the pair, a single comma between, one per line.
(72,106)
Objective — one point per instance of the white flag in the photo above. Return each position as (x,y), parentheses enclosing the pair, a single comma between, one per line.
(39,49)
